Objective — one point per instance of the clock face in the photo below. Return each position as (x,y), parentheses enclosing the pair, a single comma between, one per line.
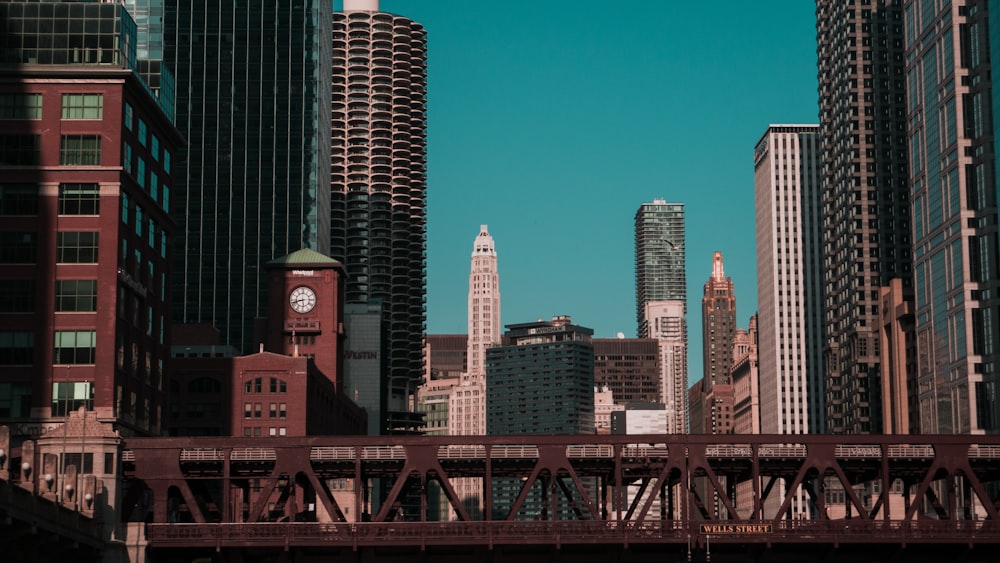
(302,299)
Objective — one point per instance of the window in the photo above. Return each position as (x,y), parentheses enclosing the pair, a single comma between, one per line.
(127,158)
(142,132)
(68,396)
(18,199)
(84,464)
(154,148)
(17,348)
(17,296)
(166,161)
(82,106)
(15,400)
(79,199)
(20,106)
(247,410)
(20,150)
(76,247)
(75,346)
(76,295)
(128,116)
(80,150)
(17,248)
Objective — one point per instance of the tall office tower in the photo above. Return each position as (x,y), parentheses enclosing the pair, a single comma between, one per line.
(953,174)
(252,183)
(467,406)
(788,202)
(661,299)
(866,220)
(484,303)
(85,183)
(718,317)
(379,184)
(629,368)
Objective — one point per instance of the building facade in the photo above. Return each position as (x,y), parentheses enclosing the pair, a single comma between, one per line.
(789,284)
(484,303)
(629,368)
(252,183)
(379,185)
(659,257)
(85,184)
(866,205)
(668,327)
(661,299)
(718,318)
(541,380)
(745,377)
(953,179)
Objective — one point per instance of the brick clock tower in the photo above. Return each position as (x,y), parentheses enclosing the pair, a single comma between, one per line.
(306,310)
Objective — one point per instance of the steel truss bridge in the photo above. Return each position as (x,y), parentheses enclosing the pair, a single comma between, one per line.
(604,496)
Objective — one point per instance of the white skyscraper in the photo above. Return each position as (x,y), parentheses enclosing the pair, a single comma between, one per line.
(666,324)
(467,403)
(789,281)
(484,303)
(467,407)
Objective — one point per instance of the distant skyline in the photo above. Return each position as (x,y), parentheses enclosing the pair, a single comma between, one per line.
(553,121)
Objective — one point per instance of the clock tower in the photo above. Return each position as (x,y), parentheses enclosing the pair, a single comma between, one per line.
(306,310)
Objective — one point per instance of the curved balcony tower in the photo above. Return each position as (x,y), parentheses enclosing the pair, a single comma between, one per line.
(379,187)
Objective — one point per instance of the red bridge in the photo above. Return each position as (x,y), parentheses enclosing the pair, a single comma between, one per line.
(575,497)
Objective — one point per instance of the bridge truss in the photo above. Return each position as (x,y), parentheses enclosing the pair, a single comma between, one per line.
(551,490)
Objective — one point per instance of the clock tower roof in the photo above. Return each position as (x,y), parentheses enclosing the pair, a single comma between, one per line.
(305,257)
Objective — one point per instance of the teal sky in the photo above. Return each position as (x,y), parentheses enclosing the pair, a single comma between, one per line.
(553,120)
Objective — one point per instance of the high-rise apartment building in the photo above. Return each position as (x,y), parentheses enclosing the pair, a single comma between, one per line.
(953,177)
(669,328)
(252,183)
(659,257)
(866,201)
(788,205)
(718,318)
(379,184)
(661,299)
(85,183)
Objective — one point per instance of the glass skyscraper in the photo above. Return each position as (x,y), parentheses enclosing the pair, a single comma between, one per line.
(659,257)
(952,172)
(661,300)
(252,184)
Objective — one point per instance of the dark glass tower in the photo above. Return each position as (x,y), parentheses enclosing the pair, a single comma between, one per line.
(956,277)
(251,186)
(379,186)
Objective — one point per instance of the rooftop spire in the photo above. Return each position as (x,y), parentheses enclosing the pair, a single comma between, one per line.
(717,273)
(484,243)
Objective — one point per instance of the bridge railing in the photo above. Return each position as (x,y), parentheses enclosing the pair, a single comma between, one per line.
(575,532)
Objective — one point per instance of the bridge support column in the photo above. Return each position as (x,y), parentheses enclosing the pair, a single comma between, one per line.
(134,544)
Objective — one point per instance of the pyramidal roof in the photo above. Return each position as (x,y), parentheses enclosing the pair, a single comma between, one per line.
(306,256)
(81,424)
